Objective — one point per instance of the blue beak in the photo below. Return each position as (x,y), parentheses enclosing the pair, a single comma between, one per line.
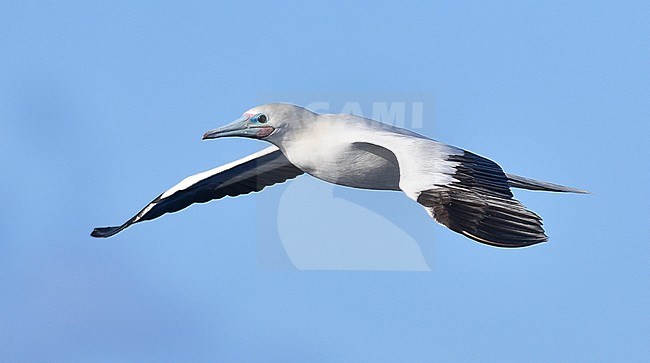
(241,127)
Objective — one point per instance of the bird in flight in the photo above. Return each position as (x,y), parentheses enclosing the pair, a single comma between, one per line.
(463,191)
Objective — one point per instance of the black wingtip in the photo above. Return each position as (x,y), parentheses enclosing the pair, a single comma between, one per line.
(103,232)
(505,243)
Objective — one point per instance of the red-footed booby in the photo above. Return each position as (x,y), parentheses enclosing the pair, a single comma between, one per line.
(463,191)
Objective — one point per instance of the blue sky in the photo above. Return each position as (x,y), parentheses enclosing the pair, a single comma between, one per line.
(102,105)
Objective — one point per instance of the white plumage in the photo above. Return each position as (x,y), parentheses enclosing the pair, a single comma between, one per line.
(461,190)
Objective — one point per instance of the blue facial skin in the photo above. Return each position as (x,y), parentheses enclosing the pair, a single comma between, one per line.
(260,118)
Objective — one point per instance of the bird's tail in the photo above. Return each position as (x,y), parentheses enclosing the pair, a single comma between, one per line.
(517,181)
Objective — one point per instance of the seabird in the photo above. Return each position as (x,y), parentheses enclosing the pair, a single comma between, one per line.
(461,190)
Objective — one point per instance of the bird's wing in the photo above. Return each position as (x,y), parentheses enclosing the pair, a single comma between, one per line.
(246,175)
(463,191)
(479,205)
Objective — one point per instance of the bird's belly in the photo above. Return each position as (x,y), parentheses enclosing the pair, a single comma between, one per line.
(358,167)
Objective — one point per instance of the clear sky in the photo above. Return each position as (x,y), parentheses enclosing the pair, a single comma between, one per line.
(102,105)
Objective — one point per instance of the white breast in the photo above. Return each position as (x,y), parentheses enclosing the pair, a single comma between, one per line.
(357,152)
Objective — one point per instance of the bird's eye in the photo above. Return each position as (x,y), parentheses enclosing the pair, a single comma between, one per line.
(261,118)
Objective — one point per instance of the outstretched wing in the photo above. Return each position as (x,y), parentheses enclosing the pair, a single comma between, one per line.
(246,175)
(480,205)
(465,192)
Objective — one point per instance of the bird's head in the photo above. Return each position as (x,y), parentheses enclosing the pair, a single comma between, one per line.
(270,122)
